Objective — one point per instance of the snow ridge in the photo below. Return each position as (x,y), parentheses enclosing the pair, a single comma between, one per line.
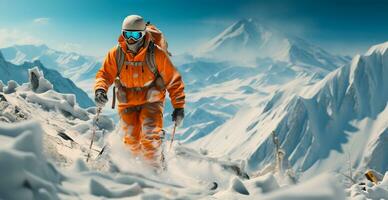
(19,73)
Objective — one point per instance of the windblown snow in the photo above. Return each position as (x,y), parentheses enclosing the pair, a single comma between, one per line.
(284,120)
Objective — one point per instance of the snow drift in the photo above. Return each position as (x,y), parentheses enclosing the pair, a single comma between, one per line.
(25,173)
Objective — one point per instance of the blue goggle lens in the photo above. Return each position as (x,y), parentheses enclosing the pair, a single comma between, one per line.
(133,34)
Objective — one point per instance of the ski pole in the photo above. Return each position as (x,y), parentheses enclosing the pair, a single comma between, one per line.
(94,131)
(172,136)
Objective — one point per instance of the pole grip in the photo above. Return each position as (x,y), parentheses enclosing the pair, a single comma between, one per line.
(114,97)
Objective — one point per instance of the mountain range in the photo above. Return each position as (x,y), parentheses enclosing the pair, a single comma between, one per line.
(248,40)
(71,65)
(344,114)
(247,60)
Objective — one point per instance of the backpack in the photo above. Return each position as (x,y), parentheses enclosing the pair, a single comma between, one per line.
(157,39)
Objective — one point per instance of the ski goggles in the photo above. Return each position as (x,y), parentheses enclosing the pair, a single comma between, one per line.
(135,35)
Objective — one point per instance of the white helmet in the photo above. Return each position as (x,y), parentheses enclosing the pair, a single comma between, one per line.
(134,23)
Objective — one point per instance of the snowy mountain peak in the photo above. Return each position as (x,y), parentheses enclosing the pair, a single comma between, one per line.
(247,40)
(244,34)
(379,48)
(247,26)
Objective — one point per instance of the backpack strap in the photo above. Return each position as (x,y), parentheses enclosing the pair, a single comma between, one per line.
(120,59)
(151,63)
(150,59)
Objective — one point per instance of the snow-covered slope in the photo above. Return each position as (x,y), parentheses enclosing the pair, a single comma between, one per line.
(19,73)
(247,40)
(71,65)
(216,91)
(323,126)
(55,112)
(44,137)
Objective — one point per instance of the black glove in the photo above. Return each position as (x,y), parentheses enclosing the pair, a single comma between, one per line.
(100,97)
(178,115)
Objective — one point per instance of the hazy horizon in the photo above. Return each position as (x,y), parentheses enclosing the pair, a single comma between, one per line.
(342,27)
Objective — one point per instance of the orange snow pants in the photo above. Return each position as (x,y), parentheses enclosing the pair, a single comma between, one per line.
(142,127)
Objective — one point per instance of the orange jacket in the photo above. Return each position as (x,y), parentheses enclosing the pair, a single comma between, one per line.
(140,76)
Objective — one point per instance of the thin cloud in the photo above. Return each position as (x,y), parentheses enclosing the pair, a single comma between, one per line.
(41,21)
(218,22)
(9,37)
(71,47)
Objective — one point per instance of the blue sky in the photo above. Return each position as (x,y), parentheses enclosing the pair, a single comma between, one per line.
(92,27)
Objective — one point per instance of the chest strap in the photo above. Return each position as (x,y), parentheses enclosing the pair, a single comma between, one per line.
(134,63)
(138,89)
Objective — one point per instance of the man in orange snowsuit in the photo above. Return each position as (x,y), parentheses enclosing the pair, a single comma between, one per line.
(140,89)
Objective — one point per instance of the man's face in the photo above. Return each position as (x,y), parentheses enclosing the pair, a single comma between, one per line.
(131,41)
